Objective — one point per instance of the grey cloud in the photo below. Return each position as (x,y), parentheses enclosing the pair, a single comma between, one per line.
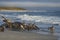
(30,4)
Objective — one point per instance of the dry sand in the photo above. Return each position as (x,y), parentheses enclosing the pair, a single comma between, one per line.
(13,35)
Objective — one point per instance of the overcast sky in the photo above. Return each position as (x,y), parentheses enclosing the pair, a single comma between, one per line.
(35,0)
(30,3)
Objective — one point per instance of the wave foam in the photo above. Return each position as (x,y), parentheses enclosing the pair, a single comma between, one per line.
(44,19)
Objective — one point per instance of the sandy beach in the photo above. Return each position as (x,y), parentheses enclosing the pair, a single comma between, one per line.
(13,35)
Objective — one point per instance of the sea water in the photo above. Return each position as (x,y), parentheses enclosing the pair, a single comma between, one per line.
(42,19)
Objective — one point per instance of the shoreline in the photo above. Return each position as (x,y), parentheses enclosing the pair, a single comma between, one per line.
(14,35)
(23,11)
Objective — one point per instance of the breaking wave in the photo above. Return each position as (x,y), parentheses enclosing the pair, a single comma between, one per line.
(45,19)
(34,18)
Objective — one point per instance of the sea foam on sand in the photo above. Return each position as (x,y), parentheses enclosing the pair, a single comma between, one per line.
(13,35)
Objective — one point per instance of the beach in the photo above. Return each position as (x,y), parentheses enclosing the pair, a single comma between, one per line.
(41,19)
(14,35)
(29,19)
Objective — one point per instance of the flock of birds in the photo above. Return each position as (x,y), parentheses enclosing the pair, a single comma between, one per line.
(20,26)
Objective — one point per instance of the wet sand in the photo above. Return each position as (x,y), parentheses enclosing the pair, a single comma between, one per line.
(13,35)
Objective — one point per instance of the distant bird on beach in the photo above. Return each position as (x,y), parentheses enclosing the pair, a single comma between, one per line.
(51,29)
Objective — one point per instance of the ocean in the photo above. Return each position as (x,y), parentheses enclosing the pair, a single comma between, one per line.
(42,19)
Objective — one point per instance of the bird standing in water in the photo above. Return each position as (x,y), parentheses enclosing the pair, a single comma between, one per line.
(51,29)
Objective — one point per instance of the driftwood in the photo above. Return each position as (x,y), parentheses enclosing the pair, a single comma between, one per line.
(32,27)
(19,25)
(1,29)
